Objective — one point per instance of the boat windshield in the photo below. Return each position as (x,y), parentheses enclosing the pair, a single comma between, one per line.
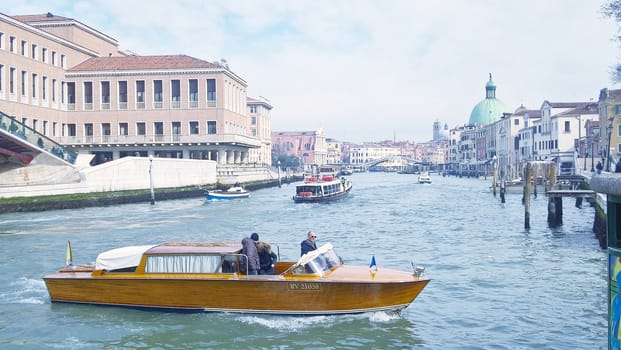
(318,261)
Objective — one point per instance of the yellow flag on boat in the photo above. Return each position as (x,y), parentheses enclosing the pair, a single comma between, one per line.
(68,255)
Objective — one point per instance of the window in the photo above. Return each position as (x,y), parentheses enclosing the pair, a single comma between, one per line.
(157,94)
(12,80)
(24,81)
(71,96)
(253,120)
(122,94)
(211,127)
(63,61)
(23,48)
(71,130)
(12,44)
(88,131)
(44,55)
(1,40)
(175,93)
(1,77)
(158,128)
(45,127)
(567,128)
(516,121)
(88,95)
(193,86)
(619,130)
(193,128)
(211,92)
(44,88)
(253,109)
(141,128)
(105,132)
(34,85)
(54,58)
(140,94)
(176,130)
(123,129)
(54,88)
(190,264)
(105,95)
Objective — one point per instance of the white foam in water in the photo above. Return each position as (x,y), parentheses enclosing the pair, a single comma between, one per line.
(25,291)
(296,323)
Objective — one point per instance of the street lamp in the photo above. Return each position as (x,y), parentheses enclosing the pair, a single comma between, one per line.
(151,179)
(592,155)
(278,174)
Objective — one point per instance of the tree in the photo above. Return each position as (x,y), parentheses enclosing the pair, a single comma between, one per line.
(612,9)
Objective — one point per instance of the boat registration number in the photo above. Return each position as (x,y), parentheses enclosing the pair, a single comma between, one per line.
(303,286)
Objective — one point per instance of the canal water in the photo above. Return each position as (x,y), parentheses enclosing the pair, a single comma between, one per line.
(494,284)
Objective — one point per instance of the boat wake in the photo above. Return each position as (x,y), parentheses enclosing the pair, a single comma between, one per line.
(25,291)
(296,323)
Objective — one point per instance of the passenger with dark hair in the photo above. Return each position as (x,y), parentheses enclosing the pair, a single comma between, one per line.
(267,258)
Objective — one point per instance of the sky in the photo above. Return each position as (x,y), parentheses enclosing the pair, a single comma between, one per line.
(366,70)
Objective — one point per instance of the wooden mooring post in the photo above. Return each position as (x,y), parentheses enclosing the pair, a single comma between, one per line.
(555,203)
(526,195)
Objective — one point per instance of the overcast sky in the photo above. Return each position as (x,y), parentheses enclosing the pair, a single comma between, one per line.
(372,70)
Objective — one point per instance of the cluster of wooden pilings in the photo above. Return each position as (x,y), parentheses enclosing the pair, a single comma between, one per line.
(544,172)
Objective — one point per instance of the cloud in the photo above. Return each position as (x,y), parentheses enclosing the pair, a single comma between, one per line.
(373,70)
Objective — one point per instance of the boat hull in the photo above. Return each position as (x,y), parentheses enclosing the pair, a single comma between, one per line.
(224,195)
(272,294)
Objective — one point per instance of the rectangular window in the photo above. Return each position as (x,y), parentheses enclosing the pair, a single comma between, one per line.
(63,61)
(140,94)
(253,109)
(141,128)
(45,127)
(44,88)
(12,44)
(158,96)
(23,48)
(122,94)
(34,52)
(71,96)
(54,88)
(211,127)
(12,80)
(176,131)
(88,132)
(253,120)
(158,129)
(516,121)
(619,130)
(175,93)
(34,85)
(24,82)
(193,128)
(88,95)
(105,95)
(54,129)
(567,126)
(54,58)
(123,129)
(1,77)
(63,88)
(193,86)
(44,55)
(1,40)
(211,92)
(71,130)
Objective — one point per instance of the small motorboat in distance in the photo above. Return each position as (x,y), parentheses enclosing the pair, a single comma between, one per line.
(424,178)
(232,193)
(207,277)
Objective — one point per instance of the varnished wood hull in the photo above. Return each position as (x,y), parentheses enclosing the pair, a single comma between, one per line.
(355,292)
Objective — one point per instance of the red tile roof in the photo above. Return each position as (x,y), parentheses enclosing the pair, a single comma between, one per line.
(142,63)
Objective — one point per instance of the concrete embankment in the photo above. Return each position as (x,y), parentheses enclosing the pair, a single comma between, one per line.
(99,199)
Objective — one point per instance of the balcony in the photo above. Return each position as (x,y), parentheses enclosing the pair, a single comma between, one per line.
(193,104)
(140,105)
(175,104)
(158,104)
(122,105)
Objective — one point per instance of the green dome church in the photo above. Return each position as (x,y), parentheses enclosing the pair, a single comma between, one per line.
(490,109)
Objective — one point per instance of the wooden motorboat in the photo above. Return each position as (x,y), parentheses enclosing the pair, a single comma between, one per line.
(321,189)
(211,277)
(232,193)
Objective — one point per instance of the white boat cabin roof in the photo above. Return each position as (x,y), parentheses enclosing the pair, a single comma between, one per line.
(130,256)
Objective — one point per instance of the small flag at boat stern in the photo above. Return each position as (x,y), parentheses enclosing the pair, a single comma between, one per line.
(373,265)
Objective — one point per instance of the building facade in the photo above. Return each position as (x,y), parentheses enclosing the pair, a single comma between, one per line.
(72,84)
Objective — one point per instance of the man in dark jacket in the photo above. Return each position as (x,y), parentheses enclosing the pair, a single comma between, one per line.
(249,249)
(308,244)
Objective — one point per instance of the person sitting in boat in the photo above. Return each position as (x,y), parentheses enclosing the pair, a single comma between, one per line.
(267,258)
(249,249)
(308,244)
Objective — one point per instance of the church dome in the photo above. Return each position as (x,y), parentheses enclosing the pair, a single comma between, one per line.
(490,109)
